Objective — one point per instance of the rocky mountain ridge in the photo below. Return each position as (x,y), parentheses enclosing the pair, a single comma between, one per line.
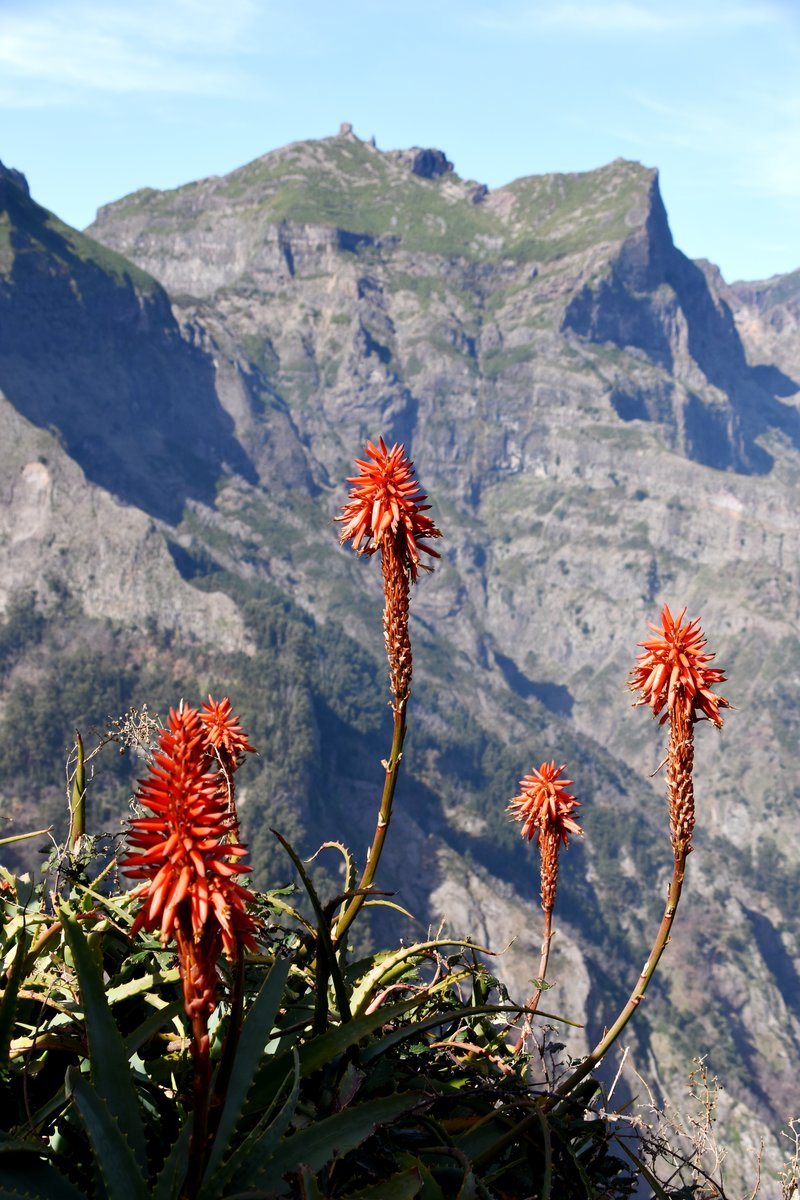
(602,426)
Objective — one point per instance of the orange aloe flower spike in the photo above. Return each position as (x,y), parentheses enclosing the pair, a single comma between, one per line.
(386,500)
(673,671)
(544,806)
(183,848)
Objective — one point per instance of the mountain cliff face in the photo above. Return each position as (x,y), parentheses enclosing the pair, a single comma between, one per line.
(73,317)
(602,426)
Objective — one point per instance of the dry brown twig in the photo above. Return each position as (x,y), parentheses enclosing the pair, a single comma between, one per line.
(789,1176)
(680,1148)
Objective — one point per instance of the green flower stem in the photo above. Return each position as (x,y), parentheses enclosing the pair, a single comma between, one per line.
(533,1003)
(77,806)
(392,768)
(648,970)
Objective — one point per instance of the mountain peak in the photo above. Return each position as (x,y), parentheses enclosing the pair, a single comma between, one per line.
(427,164)
(14,177)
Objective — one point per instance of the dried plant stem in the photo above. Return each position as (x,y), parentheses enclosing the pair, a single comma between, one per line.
(392,769)
(533,1003)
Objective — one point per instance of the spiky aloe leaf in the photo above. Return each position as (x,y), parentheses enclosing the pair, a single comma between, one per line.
(108,1054)
(26,1176)
(319,1051)
(173,1172)
(8,1000)
(260,1143)
(647,1174)
(316,1145)
(404,1185)
(113,1154)
(254,1036)
(350,874)
(324,943)
(393,965)
(141,983)
(308,1182)
(151,1025)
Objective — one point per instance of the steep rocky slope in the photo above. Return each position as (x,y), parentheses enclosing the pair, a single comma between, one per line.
(91,350)
(767,315)
(602,426)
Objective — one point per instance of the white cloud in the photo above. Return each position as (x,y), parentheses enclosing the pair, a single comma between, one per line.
(616,18)
(754,135)
(51,52)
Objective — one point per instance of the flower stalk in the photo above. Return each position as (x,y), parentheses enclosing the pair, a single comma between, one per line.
(386,512)
(673,678)
(77,804)
(545,807)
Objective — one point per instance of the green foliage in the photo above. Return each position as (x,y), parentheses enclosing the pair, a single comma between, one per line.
(415,1094)
(347,185)
(21,628)
(35,229)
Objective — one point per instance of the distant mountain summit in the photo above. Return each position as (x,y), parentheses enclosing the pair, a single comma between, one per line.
(590,254)
(602,425)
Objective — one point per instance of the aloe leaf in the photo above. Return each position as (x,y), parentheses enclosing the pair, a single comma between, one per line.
(142,1034)
(36,1180)
(430,1188)
(566,1142)
(108,1053)
(254,1036)
(486,1138)
(141,983)
(316,1145)
(8,1000)
(324,934)
(547,1175)
(647,1174)
(173,1172)
(405,1185)
(112,1151)
(349,862)
(414,1029)
(389,904)
(383,971)
(262,1141)
(321,1050)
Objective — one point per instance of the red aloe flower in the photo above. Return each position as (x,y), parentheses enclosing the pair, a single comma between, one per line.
(386,500)
(672,672)
(544,806)
(183,852)
(223,731)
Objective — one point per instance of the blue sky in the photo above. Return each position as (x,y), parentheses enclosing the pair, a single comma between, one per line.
(100,97)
